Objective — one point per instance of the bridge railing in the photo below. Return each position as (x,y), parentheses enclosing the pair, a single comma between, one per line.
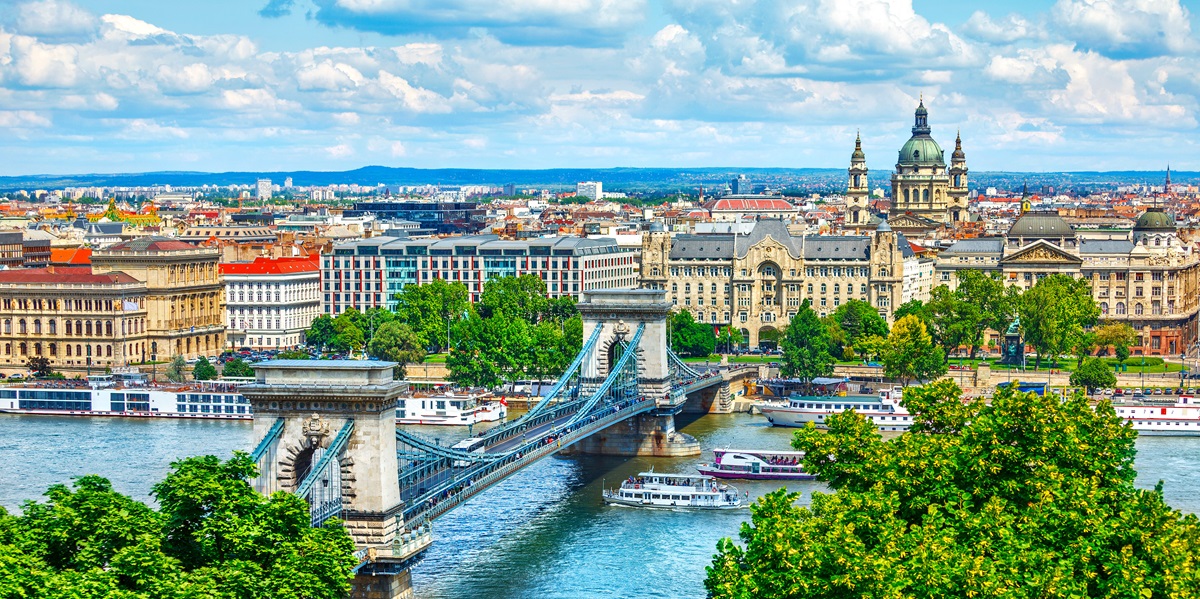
(476,480)
(263,455)
(322,487)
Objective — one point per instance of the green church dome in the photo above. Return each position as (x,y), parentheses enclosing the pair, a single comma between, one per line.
(1155,219)
(921,149)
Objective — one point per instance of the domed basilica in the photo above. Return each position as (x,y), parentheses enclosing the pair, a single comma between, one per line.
(922,186)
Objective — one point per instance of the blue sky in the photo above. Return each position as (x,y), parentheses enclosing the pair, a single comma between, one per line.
(141,85)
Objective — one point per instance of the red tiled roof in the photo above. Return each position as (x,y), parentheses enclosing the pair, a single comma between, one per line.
(272,266)
(150,244)
(750,204)
(72,256)
(63,275)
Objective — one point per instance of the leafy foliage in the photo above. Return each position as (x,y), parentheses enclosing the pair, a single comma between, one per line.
(910,352)
(690,338)
(321,332)
(177,370)
(203,370)
(397,342)
(729,338)
(237,367)
(857,320)
(1117,335)
(1094,374)
(430,308)
(1054,313)
(214,536)
(39,366)
(293,354)
(806,346)
(1027,497)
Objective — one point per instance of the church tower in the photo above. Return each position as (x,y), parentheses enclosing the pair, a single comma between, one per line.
(887,271)
(957,205)
(656,254)
(920,184)
(858,192)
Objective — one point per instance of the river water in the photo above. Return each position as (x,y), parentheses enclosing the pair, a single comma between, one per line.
(542,533)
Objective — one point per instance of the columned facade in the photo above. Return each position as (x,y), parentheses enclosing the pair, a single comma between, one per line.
(921,185)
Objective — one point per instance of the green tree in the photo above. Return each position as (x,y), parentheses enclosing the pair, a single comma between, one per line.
(177,370)
(203,370)
(953,322)
(689,338)
(489,351)
(910,352)
(214,536)
(1093,374)
(348,336)
(1054,314)
(430,308)
(521,297)
(320,333)
(294,354)
(873,347)
(806,347)
(838,346)
(729,338)
(1028,497)
(39,366)
(858,320)
(397,342)
(1115,335)
(995,304)
(237,368)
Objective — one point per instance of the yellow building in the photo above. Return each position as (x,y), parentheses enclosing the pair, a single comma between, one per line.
(185,301)
(71,317)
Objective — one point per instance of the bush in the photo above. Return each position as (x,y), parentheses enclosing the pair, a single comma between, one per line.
(1137,361)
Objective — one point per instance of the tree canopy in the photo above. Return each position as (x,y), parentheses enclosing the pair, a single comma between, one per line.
(203,370)
(213,536)
(689,338)
(177,370)
(910,353)
(431,307)
(806,346)
(1054,313)
(1094,374)
(397,342)
(1028,497)
(237,367)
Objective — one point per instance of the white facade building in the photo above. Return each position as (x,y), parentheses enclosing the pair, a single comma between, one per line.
(264,189)
(269,303)
(590,189)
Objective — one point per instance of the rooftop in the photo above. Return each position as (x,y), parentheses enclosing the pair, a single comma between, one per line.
(62,275)
(272,266)
(152,243)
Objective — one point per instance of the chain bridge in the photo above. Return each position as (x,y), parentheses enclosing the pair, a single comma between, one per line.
(328,432)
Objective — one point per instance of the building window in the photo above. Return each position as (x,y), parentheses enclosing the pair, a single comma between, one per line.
(1137,309)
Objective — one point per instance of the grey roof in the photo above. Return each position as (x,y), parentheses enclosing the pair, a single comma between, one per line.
(905,247)
(982,245)
(324,364)
(1041,225)
(883,227)
(840,248)
(1105,246)
(702,246)
(773,228)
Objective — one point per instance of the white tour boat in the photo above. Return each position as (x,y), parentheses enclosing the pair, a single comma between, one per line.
(450,409)
(756,465)
(693,491)
(1180,419)
(886,411)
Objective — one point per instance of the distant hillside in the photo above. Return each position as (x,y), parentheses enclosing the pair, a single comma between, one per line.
(616,179)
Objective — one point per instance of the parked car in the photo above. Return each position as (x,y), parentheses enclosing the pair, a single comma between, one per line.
(16,376)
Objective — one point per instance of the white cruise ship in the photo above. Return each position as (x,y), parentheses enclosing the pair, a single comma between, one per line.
(1180,419)
(102,397)
(886,411)
(693,491)
(450,410)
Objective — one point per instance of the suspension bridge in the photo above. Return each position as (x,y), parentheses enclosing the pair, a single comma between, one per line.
(328,432)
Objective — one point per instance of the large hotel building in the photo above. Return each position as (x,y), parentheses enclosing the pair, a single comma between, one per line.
(368,273)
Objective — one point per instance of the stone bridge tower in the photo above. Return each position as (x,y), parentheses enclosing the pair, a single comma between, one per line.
(619,312)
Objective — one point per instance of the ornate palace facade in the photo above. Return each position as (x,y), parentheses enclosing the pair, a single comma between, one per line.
(757,282)
(1148,279)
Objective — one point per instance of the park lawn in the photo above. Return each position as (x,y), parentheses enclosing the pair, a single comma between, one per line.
(745,359)
(435,359)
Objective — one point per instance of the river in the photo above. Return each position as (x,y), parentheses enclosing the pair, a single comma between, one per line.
(542,533)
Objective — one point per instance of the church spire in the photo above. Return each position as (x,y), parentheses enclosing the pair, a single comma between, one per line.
(1026,205)
(858,154)
(958,154)
(921,119)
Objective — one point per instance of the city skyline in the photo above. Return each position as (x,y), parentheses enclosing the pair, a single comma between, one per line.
(287,85)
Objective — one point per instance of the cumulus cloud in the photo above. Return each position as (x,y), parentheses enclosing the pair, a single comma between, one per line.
(520,22)
(1127,28)
(54,19)
(1008,29)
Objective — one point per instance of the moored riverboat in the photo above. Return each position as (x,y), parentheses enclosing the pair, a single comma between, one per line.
(886,410)
(690,491)
(756,465)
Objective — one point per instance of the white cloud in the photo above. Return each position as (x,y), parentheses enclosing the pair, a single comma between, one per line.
(21,119)
(1010,28)
(54,19)
(328,76)
(43,65)
(1127,28)
(341,150)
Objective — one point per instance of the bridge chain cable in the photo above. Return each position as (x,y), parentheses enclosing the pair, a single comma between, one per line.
(335,449)
(618,372)
(268,439)
(679,364)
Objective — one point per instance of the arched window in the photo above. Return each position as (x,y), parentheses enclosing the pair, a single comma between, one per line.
(1137,309)
(88,328)
(1104,307)
(906,195)
(8,326)
(37,327)
(79,350)
(1120,308)
(108,328)
(54,349)
(37,349)
(68,350)
(108,351)
(21,326)
(53,327)
(79,328)
(7,349)
(24,349)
